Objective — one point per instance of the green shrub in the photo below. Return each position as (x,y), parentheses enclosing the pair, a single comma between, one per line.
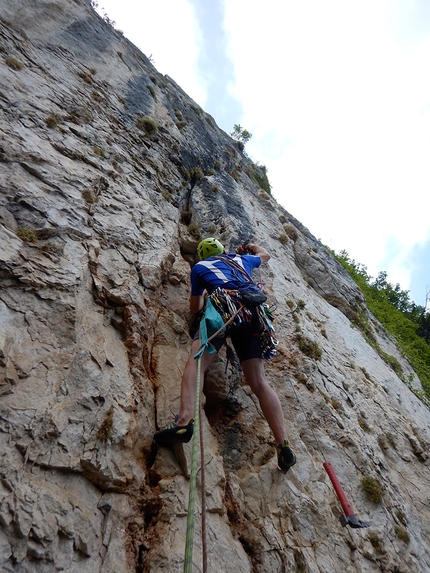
(193,230)
(105,431)
(383,442)
(97,96)
(235,174)
(51,121)
(376,541)
(86,77)
(27,235)
(392,362)
(258,174)
(402,533)
(402,318)
(373,489)
(54,248)
(240,134)
(167,196)
(309,347)
(362,422)
(89,196)
(148,125)
(197,173)
(400,514)
(325,396)
(291,232)
(99,151)
(13,63)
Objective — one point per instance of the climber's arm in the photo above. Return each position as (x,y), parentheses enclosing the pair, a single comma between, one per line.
(259,252)
(196,303)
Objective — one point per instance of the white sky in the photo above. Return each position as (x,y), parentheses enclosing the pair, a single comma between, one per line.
(337,96)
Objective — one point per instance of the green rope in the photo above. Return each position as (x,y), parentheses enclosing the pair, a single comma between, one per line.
(188,562)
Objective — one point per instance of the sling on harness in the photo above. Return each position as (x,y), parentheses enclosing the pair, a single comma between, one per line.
(211,323)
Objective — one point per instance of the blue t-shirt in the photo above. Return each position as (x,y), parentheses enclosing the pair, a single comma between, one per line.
(213,272)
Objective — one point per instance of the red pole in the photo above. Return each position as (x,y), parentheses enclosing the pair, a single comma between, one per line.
(346,506)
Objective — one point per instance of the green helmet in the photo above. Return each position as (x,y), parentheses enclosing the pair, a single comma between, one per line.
(209,248)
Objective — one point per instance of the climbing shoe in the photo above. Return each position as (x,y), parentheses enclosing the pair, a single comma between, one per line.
(173,433)
(286,457)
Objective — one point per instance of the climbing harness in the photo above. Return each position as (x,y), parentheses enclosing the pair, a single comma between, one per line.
(234,312)
(348,517)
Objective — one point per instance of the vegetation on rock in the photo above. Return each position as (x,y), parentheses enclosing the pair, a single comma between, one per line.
(408,322)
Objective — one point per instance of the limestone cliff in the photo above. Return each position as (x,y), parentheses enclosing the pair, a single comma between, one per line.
(109,175)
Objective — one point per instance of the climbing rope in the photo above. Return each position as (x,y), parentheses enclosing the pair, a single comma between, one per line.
(189,539)
(203,481)
(197,436)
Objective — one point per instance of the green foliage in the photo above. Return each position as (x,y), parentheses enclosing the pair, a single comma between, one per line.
(376,541)
(291,232)
(51,121)
(148,125)
(13,63)
(402,318)
(194,231)
(309,347)
(240,134)
(258,174)
(89,196)
(152,90)
(402,533)
(400,514)
(99,151)
(197,173)
(373,489)
(192,174)
(86,77)
(27,235)
(97,96)
(362,422)
(53,248)
(105,431)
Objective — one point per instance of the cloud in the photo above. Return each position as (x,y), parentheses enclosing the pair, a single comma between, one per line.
(167,30)
(337,97)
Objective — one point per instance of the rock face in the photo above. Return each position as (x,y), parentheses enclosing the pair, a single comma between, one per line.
(110,174)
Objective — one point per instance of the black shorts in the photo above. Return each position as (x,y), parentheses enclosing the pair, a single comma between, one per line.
(245,339)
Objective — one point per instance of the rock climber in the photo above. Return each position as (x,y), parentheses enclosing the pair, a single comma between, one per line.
(212,271)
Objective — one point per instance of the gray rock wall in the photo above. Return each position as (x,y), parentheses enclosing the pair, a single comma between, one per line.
(100,215)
